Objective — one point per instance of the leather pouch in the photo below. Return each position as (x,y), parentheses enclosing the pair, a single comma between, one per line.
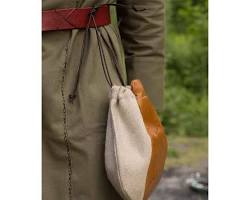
(135,148)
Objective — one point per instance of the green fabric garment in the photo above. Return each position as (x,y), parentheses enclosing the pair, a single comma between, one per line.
(139,44)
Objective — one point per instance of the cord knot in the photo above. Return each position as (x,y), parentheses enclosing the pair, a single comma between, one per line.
(72,97)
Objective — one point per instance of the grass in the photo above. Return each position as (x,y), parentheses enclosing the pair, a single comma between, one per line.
(188,151)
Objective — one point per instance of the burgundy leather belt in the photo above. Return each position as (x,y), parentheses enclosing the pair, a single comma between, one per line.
(74,18)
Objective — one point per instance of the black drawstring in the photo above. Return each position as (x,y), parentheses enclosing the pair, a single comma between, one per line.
(99,36)
(92,13)
(72,96)
(115,60)
(103,59)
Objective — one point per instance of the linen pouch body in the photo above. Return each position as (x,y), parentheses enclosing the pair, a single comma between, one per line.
(128,146)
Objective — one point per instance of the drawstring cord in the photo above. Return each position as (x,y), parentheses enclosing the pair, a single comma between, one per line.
(92,13)
(72,96)
(115,60)
(103,59)
(100,38)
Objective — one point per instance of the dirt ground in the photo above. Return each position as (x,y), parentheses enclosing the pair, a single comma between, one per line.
(181,166)
(173,186)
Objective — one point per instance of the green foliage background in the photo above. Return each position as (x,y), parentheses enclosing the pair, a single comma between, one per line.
(186,88)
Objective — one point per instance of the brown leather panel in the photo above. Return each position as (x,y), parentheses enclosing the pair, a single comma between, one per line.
(157,134)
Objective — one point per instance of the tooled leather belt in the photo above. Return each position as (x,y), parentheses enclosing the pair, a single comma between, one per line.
(74,18)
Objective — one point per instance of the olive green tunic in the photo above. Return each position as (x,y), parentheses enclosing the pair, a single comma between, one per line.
(74,134)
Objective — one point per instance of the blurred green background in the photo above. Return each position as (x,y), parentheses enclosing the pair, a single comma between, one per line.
(186,85)
(185,113)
